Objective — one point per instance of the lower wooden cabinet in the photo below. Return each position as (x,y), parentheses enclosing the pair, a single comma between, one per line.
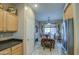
(6,52)
(15,50)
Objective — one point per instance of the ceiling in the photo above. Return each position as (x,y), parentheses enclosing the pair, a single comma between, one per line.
(45,10)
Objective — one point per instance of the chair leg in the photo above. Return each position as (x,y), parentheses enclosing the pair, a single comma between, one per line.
(50,49)
(43,47)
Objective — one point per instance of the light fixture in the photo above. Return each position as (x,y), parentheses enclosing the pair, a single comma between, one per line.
(36,5)
(48,23)
(26,8)
(48,19)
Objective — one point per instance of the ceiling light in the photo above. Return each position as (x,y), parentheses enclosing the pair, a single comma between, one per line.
(26,8)
(36,5)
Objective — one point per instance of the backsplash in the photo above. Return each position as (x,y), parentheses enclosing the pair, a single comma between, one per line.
(5,36)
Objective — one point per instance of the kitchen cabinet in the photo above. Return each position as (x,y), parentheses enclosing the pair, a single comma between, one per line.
(6,52)
(12,22)
(8,22)
(4,21)
(68,13)
(14,50)
(1,20)
(17,50)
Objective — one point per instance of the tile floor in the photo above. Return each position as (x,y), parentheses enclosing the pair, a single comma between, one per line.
(38,50)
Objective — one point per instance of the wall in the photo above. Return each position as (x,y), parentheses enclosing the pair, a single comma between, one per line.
(29,29)
(6,36)
(26,27)
(76,28)
(20,33)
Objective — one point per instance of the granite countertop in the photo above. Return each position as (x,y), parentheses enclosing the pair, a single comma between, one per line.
(9,43)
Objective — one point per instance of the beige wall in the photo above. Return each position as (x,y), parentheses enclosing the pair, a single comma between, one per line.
(76,28)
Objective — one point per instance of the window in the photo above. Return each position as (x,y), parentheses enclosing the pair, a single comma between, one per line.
(50,30)
(47,30)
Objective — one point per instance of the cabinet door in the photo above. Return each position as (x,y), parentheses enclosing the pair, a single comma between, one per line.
(69,12)
(4,21)
(6,52)
(17,49)
(11,22)
(1,20)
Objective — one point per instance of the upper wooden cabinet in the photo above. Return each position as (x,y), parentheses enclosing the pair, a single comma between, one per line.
(5,21)
(1,20)
(11,22)
(68,13)
(8,22)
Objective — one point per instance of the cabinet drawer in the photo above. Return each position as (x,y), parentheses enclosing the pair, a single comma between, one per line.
(18,51)
(5,52)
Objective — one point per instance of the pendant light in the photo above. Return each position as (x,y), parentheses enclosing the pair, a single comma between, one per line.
(48,23)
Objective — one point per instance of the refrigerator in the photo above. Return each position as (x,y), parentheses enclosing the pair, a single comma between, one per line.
(69,36)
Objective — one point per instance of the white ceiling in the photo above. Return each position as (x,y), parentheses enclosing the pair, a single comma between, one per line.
(45,10)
